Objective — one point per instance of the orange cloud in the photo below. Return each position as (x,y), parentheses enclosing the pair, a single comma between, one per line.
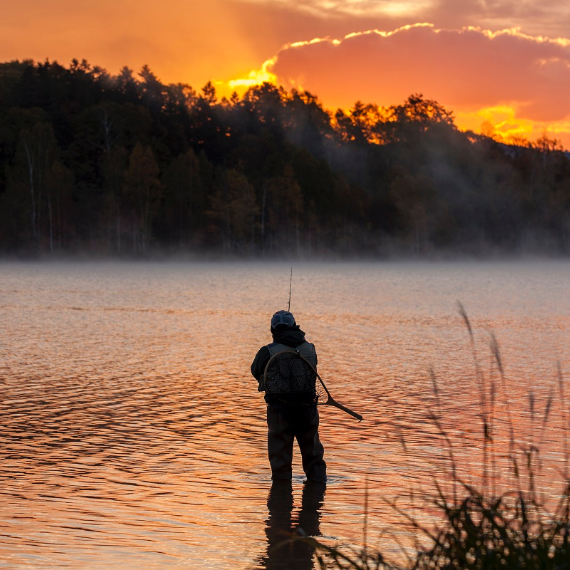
(355,8)
(466,70)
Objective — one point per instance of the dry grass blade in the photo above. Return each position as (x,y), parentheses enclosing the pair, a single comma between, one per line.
(564,421)
(546,415)
(402,439)
(466,320)
(365,524)
(434,385)
(496,352)
(479,528)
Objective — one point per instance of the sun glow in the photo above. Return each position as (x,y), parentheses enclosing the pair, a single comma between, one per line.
(256,76)
(265,75)
(502,123)
(525,102)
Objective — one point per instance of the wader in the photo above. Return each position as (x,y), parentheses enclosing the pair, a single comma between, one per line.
(287,422)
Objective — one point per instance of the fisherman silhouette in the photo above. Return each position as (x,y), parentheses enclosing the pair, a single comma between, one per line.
(292,415)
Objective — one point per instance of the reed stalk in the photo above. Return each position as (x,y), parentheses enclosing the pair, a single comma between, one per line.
(482,528)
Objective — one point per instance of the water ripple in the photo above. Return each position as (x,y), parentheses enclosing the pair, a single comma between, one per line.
(131,433)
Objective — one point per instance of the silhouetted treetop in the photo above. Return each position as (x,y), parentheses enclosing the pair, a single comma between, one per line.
(125,164)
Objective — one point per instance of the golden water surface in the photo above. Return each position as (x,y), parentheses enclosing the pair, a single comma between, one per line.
(133,436)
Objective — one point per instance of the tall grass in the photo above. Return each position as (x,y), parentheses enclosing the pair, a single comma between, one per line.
(504,520)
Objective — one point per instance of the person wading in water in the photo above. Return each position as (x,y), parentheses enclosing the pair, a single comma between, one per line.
(292,410)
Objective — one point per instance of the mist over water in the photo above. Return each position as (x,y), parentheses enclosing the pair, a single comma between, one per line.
(132,434)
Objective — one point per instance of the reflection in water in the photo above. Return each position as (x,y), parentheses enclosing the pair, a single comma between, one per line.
(282,525)
(132,434)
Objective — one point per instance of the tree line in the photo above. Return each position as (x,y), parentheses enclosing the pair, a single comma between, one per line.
(126,165)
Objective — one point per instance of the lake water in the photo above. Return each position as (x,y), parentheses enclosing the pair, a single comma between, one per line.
(133,436)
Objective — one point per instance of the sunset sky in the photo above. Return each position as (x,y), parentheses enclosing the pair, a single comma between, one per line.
(501,64)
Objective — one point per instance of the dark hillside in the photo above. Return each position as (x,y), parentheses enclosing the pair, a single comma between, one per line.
(125,165)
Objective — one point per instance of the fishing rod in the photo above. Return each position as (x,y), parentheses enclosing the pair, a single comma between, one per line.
(290,284)
(323,395)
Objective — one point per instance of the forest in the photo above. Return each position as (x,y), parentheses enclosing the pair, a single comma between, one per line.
(96,164)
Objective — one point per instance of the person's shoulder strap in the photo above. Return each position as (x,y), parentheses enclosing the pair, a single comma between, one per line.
(307,350)
(277,347)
